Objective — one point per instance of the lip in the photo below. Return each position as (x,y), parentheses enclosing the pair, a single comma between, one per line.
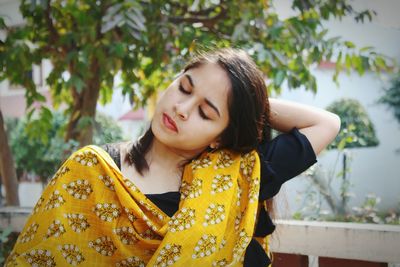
(169,123)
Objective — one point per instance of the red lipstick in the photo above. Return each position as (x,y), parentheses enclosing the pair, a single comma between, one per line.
(169,123)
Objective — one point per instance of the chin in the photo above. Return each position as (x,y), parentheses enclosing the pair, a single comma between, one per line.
(161,135)
(174,141)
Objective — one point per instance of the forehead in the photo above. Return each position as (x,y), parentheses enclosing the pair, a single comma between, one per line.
(212,81)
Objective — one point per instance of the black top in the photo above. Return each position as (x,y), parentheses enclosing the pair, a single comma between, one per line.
(282,158)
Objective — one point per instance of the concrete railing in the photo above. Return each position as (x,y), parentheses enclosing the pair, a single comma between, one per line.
(305,243)
(14,217)
(369,243)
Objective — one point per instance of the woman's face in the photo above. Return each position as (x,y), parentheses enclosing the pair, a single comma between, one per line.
(193,111)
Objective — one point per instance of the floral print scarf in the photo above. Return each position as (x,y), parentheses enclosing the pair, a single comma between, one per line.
(91,215)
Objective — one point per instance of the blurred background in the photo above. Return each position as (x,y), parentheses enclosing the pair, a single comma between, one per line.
(88,72)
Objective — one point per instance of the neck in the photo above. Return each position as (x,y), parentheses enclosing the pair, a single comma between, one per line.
(169,158)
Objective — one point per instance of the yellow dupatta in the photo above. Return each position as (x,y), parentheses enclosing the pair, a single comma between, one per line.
(90,215)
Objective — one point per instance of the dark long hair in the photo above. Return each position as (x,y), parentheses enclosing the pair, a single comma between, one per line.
(247,104)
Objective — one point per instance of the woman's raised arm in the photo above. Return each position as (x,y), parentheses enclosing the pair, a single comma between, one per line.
(318,125)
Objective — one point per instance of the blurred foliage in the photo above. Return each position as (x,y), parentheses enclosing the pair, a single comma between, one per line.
(7,241)
(357,130)
(34,154)
(367,212)
(106,130)
(4,233)
(147,42)
(41,157)
(391,97)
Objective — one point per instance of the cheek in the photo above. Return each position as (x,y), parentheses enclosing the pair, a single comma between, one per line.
(167,96)
(162,101)
(206,131)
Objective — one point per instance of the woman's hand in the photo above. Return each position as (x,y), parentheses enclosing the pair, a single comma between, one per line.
(318,125)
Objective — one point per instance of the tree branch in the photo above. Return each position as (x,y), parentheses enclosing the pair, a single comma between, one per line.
(103,10)
(326,191)
(208,22)
(203,12)
(200,16)
(54,37)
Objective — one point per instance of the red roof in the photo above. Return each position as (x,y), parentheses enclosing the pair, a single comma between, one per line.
(133,115)
(327,65)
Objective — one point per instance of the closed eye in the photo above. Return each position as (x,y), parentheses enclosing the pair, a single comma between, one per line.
(203,115)
(201,112)
(183,89)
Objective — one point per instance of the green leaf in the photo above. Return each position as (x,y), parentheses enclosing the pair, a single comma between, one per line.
(358,64)
(118,49)
(76,82)
(279,77)
(84,122)
(366,49)
(347,61)
(380,63)
(5,232)
(357,129)
(349,44)
(2,23)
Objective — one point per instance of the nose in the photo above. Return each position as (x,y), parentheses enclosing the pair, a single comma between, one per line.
(183,109)
(181,112)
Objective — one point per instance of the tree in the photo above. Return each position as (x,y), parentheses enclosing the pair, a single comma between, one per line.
(42,157)
(89,42)
(357,130)
(145,42)
(391,97)
(7,169)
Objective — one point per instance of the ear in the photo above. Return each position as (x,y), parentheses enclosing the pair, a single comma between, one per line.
(214,145)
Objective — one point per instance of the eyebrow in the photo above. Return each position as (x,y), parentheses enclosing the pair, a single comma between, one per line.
(207,101)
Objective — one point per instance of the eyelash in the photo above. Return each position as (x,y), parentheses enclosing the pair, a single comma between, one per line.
(183,90)
(201,112)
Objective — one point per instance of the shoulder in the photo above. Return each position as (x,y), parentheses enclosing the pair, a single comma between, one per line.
(287,155)
(124,147)
(118,151)
(285,143)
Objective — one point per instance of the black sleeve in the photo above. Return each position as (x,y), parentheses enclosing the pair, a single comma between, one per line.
(282,158)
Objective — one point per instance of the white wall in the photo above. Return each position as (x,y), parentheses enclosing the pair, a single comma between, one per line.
(372,169)
(10,12)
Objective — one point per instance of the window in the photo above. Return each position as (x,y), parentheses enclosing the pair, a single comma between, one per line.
(36,74)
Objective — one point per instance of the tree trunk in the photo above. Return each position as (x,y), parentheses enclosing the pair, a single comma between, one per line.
(326,191)
(7,168)
(85,108)
(344,182)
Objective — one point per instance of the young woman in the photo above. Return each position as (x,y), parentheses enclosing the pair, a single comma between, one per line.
(193,190)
